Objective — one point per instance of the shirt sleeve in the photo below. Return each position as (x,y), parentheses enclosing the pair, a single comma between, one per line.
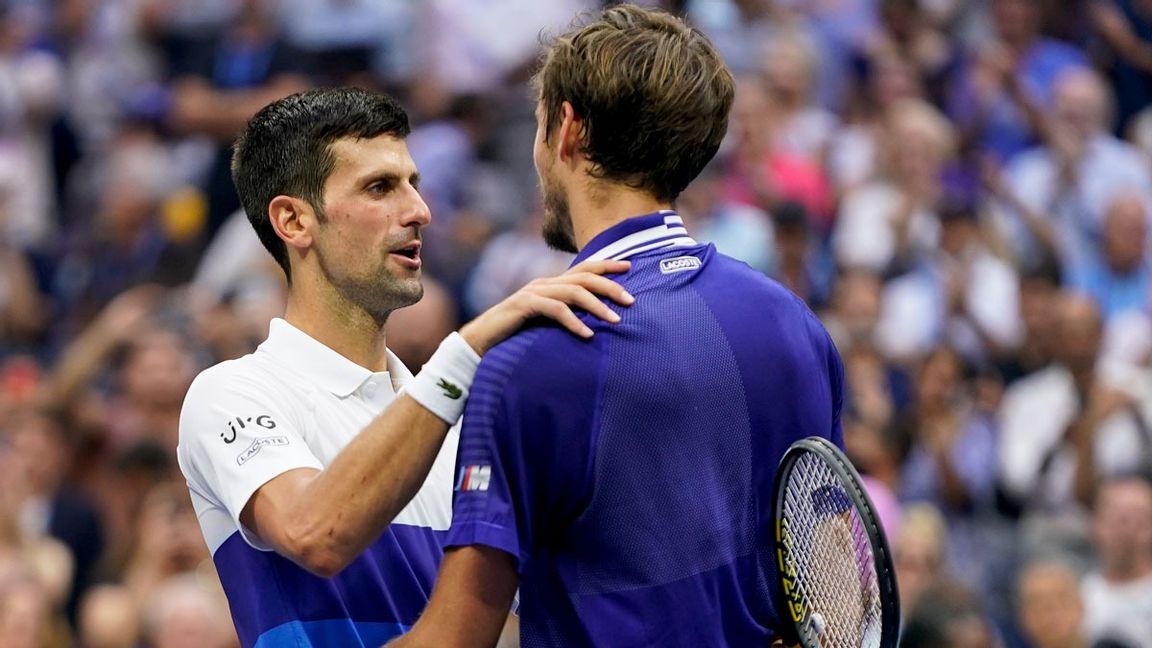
(526,446)
(236,434)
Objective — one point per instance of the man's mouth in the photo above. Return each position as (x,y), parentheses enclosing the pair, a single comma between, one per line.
(411,254)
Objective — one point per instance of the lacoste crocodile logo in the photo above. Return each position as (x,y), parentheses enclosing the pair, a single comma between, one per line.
(450,389)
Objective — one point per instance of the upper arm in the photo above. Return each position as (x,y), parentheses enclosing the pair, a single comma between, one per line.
(471,600)
(235,442)
(266,515)
(526,443)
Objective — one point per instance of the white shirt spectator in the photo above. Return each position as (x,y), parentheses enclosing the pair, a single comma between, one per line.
(1118,611)
(470,46)
(914,311)
(864,236)
(1035,413)
(1108,167)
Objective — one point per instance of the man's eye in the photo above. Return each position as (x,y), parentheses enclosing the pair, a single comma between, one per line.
(380,187)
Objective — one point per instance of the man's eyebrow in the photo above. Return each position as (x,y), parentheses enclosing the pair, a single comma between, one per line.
(391,177)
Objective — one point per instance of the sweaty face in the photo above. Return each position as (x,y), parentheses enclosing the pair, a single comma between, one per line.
(557,228)
(368,245)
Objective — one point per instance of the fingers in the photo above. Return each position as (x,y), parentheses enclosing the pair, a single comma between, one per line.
(600,267)
(593,283)
(579,297)
(563,315)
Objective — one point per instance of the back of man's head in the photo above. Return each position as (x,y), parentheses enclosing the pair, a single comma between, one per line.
(653,94)
(285,150)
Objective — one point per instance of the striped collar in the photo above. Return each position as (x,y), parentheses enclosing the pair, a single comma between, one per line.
(632,236)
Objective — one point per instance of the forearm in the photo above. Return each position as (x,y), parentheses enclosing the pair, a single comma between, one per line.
(344,508)
(1081,432)
(955,491)
(469,606)
(200,108)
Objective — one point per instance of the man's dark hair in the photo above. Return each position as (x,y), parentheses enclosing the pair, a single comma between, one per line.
(653,93)
(286,150)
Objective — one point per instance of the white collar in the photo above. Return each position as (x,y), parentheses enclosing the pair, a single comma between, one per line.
(302,353)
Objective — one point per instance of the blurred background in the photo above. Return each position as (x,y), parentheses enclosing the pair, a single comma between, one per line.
(961,189)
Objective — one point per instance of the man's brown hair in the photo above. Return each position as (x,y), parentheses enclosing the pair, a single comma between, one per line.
(653,93)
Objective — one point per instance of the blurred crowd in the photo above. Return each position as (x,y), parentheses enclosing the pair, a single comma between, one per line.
(960,189)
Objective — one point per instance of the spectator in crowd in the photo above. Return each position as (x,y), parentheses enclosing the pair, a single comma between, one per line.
(1036,302)
(1118,592)
(23,309)
(759,173)
(853,153)
(948,616)
(218,87)
(1125,27)
(886,225)
(1001,85)
(955,295)
(913,37)
(741,231)
(185,612)
(920,553)
(27,615)
(31,90)
(947,451)
(797,127)
(124,243)
(801,263)
(1063,426)
(347,40)
(510,260)
(1049,606)
(168,542)
(109,618)
(34,475)
(1118,273)
(1067,184)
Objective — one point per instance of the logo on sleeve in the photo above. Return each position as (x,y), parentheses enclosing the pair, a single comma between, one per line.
(451,390)
(679,264)
(258,444)
(475,477)
(263,421)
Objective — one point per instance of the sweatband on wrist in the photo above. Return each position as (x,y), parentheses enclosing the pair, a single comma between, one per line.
(443,383)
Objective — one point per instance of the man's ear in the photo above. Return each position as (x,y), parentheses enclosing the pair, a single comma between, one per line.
(570,134)
(293,220)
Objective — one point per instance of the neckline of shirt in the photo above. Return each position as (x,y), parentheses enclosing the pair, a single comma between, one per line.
(304,354)
(632,236)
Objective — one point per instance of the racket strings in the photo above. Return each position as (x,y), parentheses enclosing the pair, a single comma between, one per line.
(835,572)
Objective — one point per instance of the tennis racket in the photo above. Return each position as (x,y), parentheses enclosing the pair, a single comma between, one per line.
(836,587)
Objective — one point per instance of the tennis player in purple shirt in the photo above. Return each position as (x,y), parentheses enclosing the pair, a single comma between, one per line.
(623,482)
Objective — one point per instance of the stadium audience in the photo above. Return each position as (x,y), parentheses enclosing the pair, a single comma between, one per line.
(961,190)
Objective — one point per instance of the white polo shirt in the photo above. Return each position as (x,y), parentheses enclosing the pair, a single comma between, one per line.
(295,403)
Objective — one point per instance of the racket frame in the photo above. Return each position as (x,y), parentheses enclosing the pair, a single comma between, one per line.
(798,631)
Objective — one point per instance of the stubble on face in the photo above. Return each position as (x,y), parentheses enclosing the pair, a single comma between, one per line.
(557,228)
(372,286)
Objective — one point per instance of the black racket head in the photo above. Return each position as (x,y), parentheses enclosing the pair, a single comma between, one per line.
(835,585)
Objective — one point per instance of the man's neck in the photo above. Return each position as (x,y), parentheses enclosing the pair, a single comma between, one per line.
(331,320)
(603,205)
(1128,572)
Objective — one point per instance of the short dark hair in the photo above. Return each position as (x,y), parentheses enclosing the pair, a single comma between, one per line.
(286,150)
(653,93)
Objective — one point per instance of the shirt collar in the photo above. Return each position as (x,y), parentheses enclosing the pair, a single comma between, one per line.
(632,236)
(309,357)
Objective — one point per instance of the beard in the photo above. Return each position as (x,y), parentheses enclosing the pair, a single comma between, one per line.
(377,290)
(557,228)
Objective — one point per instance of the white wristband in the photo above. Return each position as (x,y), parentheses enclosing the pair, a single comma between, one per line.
(442,385)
